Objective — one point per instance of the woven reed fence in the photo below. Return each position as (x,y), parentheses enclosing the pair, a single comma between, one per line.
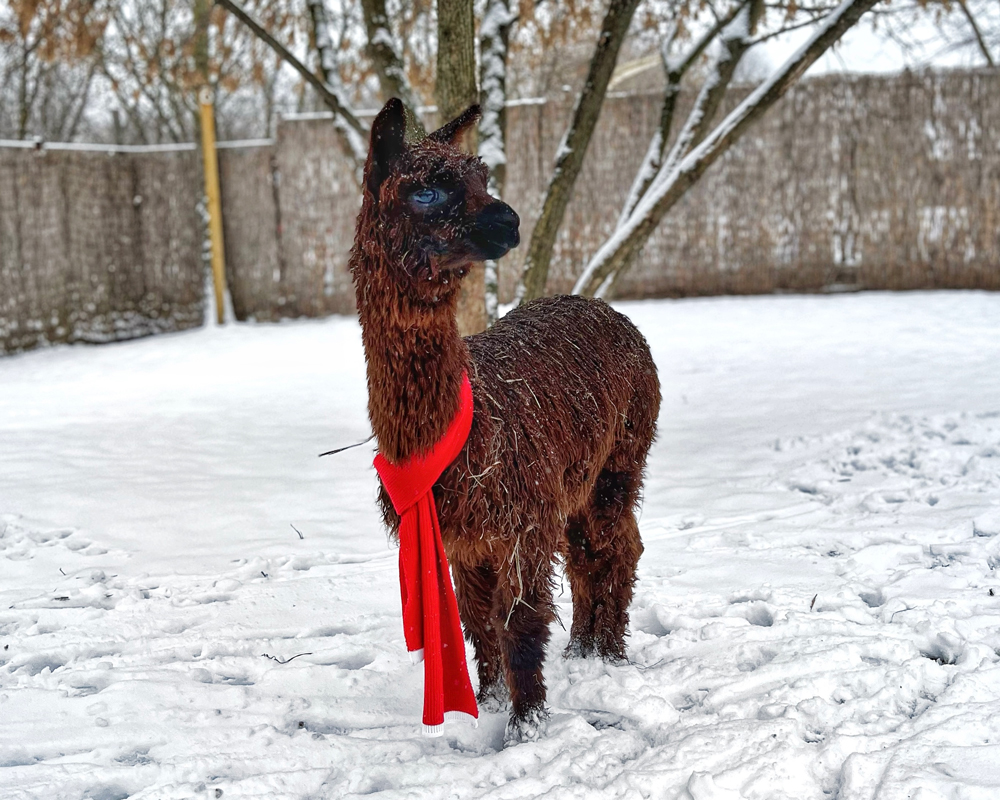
(98,245)
(849,183)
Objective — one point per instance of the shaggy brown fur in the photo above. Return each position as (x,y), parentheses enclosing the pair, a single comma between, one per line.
(566,400)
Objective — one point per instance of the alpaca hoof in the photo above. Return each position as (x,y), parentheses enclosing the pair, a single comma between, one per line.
(494,699)
(525,729)
(579,649)
(611,654)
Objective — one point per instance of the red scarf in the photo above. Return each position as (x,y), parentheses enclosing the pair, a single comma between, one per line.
(431,623)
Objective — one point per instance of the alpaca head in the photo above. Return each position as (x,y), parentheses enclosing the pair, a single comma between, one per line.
(428,212)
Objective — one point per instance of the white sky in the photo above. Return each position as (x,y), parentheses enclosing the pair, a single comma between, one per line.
(864,49)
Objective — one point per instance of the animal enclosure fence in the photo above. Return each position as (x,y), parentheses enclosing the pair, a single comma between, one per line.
(857,182)
(98,244)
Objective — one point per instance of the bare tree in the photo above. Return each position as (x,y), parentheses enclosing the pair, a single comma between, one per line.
(969,27)
(690,159)
(977,33)
(350,132)
(569,158)
(48,62)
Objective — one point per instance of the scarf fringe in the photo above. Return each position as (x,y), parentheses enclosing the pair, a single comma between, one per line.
(435,731)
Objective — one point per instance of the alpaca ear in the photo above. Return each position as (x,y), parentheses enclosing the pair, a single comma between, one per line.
(387,144)
(451,132)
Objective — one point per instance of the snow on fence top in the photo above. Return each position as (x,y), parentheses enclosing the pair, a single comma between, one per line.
(849,182)
(90,147)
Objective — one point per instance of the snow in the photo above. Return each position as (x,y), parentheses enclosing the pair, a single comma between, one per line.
(817,611)
(94,147)
(737,30)
(383,37)
(643,176)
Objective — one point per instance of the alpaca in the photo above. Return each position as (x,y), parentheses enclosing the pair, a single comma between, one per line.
(566,398)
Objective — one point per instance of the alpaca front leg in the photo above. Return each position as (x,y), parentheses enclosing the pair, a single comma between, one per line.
(474,589)
(523,616)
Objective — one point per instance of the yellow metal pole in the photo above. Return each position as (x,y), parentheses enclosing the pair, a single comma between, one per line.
(211,169)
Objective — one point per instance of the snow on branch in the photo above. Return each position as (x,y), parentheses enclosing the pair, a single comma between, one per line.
(494,33)
(676,68)
(388,64)
(675,179)
(734,41)
(573,148)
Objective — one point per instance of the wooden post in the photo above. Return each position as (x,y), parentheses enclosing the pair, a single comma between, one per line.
(211,168)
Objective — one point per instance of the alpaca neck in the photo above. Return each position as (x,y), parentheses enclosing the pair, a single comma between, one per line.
(416,359)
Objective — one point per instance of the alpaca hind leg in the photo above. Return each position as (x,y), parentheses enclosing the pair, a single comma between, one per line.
(603,549)
(474,590)
(524,612)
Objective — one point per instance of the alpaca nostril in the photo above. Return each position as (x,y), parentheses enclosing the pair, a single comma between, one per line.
(497,228)
(499,215)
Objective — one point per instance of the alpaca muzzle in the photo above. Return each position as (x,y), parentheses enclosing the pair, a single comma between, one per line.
(496,231)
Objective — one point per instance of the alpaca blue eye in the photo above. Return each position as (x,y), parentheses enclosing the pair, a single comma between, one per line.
(427,197)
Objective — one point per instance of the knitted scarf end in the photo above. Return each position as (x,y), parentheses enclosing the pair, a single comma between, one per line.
(433,731)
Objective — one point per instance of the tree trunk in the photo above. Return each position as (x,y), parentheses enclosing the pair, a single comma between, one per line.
(569,158)
(456,90)
(388,64)
(494,35)
(676,178)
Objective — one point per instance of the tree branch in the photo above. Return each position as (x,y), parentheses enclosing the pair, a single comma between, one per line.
(976,32)
(676,70)
(569,158)
(674,180)
(351,132)
(735,40)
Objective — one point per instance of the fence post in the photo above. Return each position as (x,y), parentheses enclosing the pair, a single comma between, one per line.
(211,168)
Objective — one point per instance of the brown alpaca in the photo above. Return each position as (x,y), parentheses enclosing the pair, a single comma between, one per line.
(565,404)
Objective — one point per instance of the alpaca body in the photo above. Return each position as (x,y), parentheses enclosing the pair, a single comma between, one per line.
(565,404)
(562,423)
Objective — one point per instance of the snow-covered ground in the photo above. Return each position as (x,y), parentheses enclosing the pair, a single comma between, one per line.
(817,614)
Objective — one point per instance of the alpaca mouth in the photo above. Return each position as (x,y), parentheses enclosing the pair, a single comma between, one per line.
(492,247)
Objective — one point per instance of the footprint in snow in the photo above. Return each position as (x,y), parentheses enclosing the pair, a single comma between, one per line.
(873,598)
(346,661)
